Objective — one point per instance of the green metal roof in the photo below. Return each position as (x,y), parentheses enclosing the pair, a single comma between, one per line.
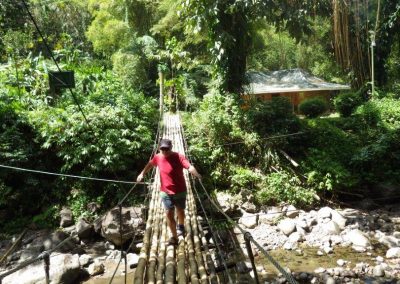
(291,80)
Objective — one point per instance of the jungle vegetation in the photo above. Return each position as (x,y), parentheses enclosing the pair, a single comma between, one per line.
(105,126)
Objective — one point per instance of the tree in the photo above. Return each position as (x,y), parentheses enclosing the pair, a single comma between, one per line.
(353,24)
(230,29)
(12,18)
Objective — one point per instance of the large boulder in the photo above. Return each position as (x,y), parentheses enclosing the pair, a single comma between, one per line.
(287,226)
(84,229)
(55,239)
(228,203)
(64,268)
(132,224)
(393,253)
(338,219)
(357,238)
(249,220)
(66,217)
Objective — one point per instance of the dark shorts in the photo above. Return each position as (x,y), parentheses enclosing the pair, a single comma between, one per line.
(174,200)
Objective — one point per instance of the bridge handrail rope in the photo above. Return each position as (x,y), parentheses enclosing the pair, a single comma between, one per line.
(264,138)
(69,176)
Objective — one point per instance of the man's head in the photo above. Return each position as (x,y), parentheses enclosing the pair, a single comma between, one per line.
(165,144)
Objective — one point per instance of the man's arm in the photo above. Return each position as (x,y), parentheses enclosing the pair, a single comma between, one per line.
(148,166)
(194,172)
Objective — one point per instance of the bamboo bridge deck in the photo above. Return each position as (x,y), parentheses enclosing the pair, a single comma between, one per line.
(194,259)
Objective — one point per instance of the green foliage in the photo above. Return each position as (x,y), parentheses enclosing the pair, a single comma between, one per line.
(327,173)
(107,33)
(244,178)
(378,160)
(129,68)
(48,218)
(272,50)
(21,193)
(313,107)
(272,117)
(327,162)
(379,155)
(384,112)
(347,102)
(115,135)
(215,130)
(283,186)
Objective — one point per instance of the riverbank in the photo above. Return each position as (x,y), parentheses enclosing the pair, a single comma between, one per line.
(325,245)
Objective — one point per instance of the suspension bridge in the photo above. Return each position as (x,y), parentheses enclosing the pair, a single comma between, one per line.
(203,255)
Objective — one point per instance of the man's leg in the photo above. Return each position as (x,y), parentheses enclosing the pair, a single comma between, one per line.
(171,222)
(181,215)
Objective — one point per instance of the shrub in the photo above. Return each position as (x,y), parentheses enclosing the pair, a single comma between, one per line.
(244,178)
(284,187)
(274,116)
(346,103)
(313,107)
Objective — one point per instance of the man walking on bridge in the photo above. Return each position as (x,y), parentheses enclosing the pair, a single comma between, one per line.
(173,186)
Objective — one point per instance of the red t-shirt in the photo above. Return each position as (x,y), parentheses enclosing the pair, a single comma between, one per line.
(171,172)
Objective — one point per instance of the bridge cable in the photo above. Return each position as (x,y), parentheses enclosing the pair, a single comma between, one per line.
(70,176)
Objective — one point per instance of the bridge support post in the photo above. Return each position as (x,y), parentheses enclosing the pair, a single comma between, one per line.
(247,237)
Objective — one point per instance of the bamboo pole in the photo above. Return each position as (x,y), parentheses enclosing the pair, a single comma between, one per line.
(139,272)
(13,246)
(209,262)
(181,269)
(151,277)
(161,254)
(196,239)
(170,257)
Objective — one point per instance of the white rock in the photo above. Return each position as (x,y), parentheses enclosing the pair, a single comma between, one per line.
(328,250)
(331,228)
(292,212)
(338,219)
(390,241)
(287,226)
(341,262)
(324,212)
(295,237)
(378,271)
(249,220)
(132,259)
(96,268)
(63,267)
(357,238)
(273,213)
(330,280)
(319,270)
(85,259)
(393,252)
